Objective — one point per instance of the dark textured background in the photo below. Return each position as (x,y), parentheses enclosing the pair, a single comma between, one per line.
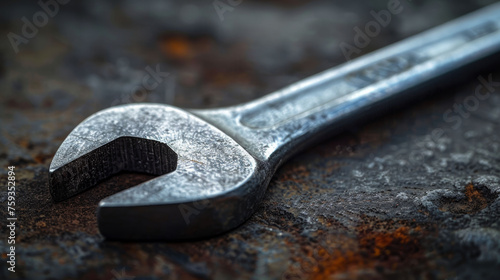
(384,199)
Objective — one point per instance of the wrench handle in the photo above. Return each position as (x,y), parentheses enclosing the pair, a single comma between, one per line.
(274,126)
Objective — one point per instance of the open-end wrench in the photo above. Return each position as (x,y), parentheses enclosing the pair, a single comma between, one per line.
(215,165)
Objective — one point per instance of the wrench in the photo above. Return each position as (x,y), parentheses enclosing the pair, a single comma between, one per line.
(214,166)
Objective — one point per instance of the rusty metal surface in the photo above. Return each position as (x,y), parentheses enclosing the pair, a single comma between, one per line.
(412,194)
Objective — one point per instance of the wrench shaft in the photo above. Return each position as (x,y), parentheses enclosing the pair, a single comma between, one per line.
(274,126)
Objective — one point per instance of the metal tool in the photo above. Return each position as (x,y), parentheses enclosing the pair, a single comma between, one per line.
(215,165)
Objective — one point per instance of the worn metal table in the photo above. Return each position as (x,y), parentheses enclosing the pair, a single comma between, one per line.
(413,194)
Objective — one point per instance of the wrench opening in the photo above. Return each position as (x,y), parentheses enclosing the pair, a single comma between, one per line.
(126,153)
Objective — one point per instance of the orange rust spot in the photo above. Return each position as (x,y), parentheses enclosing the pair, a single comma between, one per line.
(475,201)
(4,255)
(339,262)
(39,158)
(177,47)
(380,244)
(41,224)
(472,194)
(296,174)
(24,143)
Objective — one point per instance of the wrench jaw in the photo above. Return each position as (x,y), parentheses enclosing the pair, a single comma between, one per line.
(155,210)
(103,145)
(214,184)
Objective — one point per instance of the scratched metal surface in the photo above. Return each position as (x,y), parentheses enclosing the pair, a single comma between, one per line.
(213,184)
(167,125)
(410,194)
